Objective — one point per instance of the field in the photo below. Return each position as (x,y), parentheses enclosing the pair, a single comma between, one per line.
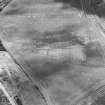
(60,45)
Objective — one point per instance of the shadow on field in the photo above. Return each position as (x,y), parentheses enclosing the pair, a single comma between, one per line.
(96,7)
